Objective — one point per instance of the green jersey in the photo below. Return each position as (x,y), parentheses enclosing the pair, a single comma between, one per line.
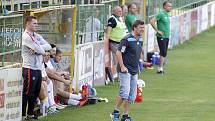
(129,21)
(163,24)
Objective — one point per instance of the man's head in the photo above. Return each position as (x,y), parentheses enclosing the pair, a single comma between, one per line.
(167,6)
(138,27)
(132,8)
(117,11)
(31,23)
(58,56)
(53,50)
(46,57)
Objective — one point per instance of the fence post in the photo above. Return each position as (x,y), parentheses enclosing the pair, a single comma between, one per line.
(73,43)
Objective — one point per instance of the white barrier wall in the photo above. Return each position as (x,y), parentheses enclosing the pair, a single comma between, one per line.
(185,26)
(10,94)
(89,65)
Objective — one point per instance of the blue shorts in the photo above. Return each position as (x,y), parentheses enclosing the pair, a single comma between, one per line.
(128,87)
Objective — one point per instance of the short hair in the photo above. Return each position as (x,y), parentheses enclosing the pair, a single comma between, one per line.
(52,45)
(114,10)
(29,18)
(137,23)
(165,3)
(130,5)
(58,51)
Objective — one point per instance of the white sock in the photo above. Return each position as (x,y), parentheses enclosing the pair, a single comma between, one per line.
(50,94)
(73,102)
(75,97)
(161,68)
(44,106)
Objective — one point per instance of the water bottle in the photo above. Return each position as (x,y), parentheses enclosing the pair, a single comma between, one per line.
(156,58)
(89,90)
(141,65)
(153,59)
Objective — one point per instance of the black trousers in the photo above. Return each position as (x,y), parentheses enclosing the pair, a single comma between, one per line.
(31,88)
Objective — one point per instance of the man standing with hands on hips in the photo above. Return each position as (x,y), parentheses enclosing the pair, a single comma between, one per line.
(128,55)
(163,33)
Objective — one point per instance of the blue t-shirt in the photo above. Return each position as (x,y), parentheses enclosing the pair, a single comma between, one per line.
(131,48)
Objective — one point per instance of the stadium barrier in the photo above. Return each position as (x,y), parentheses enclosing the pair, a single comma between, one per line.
(10,94)
(89,64)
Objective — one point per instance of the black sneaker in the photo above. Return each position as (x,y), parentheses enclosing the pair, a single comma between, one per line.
(160,72)
(126,118)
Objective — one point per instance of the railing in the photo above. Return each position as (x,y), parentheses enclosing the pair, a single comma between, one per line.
(11,28)
(91,21)
(179,6)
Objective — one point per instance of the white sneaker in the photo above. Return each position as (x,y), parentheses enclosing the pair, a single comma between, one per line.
(62,105)
(58,107)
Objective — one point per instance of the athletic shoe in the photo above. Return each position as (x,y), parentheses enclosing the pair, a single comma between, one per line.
(114,116)
(126,118)
(160,72)
(150,67)
(30,118)
(62,105)
(52,110)
(59,107)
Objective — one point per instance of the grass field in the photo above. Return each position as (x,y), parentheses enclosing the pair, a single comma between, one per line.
(184,93)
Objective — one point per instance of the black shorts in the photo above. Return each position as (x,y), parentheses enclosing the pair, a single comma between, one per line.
(163,45)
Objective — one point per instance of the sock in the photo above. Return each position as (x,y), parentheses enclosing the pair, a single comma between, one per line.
(115,111)
(50,94)
(73,102)
(161,68)
(44,106)
(74,96)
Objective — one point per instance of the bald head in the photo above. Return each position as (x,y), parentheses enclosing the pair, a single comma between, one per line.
(117,11)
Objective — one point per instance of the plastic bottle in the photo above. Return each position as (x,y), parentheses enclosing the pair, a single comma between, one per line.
(141,65)
(153,59)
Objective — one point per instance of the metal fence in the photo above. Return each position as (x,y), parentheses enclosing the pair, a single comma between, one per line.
(55,24)
(91,21)
(11,28)
(109,6)
(179,6)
